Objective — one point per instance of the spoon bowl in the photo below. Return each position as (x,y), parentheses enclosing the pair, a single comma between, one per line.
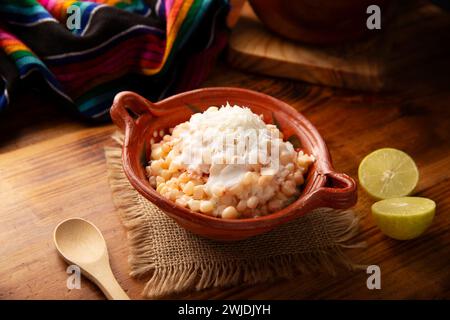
(81,243)
(79,240)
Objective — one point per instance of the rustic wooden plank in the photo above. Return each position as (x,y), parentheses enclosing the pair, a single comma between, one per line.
(34,117)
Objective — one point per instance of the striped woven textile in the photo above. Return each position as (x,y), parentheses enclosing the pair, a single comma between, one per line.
(84,52)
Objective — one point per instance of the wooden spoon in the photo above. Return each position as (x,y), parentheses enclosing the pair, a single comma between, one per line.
(81,243)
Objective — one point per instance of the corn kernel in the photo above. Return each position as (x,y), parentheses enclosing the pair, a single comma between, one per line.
(206,206)
(166,174)
(290,167)
(197,182)
(194,205)
(155,166)
(155,145)
(166,195)
(160,187)
(227,200)
(249,178)
(166,148)
(189,188)
(252,202)
(183,177)
(298,177)
(176,133)
(288,188)
(230,213)
(172,183)
(164,164)
(274,205)
(181,202)
(218,191)
(173,194)
(280,196)
(185,198)
(265,180)
(173,167)
(304,160)
(198,192)
(156,153)
(285,157)
(242,205)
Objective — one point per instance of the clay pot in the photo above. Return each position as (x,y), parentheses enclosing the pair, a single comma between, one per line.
(139,118)
(317,21)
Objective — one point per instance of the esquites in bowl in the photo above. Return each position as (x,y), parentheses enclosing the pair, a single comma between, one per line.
(226,162)
(227,171)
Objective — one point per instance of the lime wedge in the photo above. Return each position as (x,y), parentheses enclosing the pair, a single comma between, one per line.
(404,218)
(388,173)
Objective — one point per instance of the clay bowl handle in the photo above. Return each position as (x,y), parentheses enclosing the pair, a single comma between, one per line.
(338,193)
(127,108)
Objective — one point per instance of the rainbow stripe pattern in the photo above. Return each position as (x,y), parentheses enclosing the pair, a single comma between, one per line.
(154,47)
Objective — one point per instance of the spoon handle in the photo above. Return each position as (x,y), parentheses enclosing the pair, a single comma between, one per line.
(109,285)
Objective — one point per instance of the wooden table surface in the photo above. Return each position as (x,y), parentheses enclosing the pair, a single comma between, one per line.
(52,167)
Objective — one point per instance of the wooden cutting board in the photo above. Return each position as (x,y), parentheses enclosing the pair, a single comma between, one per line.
(371,64)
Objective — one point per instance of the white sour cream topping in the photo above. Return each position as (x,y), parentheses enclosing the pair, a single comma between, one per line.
(198,145)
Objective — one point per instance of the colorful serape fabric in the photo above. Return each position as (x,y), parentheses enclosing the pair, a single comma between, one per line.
(84,52)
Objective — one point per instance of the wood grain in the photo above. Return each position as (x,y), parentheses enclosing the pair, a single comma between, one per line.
(370,64)
(52,167)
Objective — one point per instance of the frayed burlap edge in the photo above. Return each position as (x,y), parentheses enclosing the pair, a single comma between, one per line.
(198,276)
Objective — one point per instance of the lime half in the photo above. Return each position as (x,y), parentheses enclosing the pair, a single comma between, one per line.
(404,218)
(388,173)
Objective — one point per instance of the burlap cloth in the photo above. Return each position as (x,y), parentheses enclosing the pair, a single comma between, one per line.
(173,260)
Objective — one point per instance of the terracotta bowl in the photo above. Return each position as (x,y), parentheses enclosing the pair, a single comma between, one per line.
(139,118)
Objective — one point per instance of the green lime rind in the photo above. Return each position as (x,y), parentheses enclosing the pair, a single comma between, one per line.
(388,173)
(404,218)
